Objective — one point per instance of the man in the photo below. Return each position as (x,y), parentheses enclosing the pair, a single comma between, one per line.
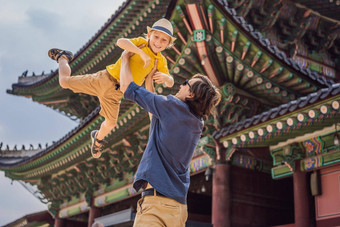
(175,129)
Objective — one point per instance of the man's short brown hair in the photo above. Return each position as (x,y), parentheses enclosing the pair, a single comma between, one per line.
(206,96)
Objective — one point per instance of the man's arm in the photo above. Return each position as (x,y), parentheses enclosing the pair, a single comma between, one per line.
(125,72)
(149,82)
(127,45)
(126,75)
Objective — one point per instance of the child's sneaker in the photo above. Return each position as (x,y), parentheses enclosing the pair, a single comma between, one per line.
(56,53)
(96,150)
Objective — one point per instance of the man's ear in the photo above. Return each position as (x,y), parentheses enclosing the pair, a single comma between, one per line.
(191,95)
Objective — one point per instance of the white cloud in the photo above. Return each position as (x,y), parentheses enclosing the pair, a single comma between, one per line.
(16,201)
(11,12)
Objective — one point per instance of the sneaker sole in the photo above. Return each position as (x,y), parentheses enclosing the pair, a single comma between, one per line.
(56,53)
(93,137)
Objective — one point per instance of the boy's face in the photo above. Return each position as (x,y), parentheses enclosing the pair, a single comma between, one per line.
(158,41)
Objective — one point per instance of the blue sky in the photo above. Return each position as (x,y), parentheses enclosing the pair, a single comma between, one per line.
(28,29)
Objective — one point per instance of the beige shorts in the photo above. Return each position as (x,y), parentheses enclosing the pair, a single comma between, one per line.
(102,85)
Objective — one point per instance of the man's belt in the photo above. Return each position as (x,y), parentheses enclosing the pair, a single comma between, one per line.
(151,191)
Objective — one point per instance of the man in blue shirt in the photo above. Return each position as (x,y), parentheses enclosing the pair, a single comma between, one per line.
(176,127)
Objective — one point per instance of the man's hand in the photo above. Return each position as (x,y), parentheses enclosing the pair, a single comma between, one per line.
(149,79)
(146,58)
(126,54)
(125,71)
(154,69)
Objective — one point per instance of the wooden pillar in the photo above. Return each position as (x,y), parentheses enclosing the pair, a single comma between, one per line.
(301,203)
(94,212)
(221,195)
(58,222)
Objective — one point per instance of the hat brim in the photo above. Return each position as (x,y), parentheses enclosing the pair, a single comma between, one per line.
(153,29)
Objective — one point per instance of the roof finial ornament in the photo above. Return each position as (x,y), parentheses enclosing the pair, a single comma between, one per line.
(24,74)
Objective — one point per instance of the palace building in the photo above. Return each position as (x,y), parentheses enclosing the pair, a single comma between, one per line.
(270,154)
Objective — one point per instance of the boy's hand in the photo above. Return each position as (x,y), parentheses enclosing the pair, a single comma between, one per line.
(161,78)
(128,54)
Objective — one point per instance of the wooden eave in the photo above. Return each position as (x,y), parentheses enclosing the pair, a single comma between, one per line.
(328,9)
(233,53)
(312,26)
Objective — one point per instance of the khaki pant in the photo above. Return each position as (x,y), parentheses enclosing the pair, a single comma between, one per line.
(160,211)
(102,85)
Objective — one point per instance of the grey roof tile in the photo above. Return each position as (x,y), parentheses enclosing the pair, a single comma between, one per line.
(282,109)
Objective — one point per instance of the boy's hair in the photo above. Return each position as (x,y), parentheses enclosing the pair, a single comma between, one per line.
(147,38)
(206,96)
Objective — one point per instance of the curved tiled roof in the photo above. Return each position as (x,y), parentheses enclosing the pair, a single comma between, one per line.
(19,160)
(280,110)
(312,76)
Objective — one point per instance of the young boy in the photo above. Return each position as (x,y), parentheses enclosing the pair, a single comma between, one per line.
(105,84)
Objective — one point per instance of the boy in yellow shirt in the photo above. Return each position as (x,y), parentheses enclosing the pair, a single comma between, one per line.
(105,84)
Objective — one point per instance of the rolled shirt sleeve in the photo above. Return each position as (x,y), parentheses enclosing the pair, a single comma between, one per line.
(149,101)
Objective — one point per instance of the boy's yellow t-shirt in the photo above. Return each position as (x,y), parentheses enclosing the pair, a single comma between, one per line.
(137,64)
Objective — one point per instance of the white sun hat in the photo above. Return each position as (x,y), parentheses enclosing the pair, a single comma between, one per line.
(165,26)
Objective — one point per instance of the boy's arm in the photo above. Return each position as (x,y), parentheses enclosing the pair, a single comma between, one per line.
(170,81)
(126,44)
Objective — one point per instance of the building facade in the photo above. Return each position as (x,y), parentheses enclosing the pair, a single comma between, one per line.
(269,156)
